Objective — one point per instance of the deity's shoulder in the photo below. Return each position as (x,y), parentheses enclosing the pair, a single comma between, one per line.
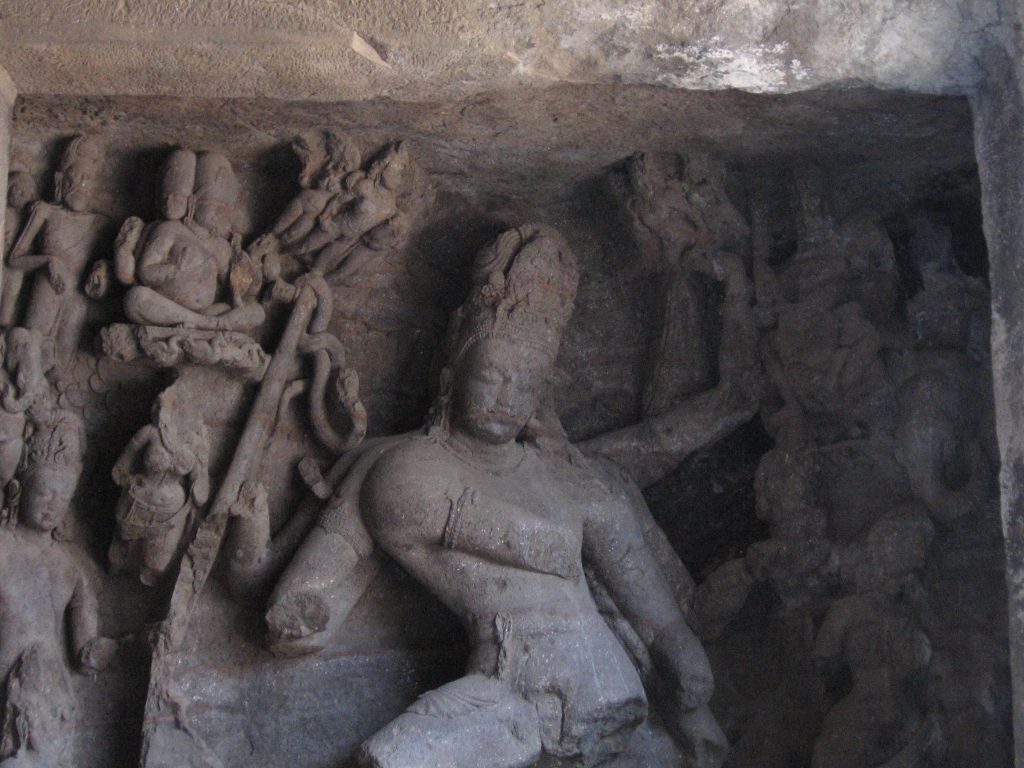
(407,493)
(43,208)
(610,485)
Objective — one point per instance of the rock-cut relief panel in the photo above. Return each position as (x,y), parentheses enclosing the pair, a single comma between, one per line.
(589,642)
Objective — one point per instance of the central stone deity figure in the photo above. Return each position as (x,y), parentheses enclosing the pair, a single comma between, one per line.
(179,267)
(515,530)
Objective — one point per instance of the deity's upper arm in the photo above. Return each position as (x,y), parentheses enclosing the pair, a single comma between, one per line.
(292,212)
(146,435)
(158,244)
(36,219)
(406,500)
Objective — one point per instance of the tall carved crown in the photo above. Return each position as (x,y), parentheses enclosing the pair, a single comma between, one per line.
(56,440)
(524,287)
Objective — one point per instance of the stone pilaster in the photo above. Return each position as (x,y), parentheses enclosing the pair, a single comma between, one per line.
(999,144)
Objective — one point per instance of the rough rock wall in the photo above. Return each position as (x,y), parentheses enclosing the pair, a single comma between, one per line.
(351,50)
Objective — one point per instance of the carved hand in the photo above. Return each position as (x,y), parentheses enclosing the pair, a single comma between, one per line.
(678,654)
(121,474)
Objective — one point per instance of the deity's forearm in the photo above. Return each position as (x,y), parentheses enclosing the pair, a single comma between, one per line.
(27,262)
(654,447)
(21,257)
(156,275)
(153,268)
(614,547)
(123,466)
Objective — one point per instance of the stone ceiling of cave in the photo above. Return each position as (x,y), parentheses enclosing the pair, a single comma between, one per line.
(412,50)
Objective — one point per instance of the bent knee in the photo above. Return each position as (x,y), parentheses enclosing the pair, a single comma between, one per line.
(470,722)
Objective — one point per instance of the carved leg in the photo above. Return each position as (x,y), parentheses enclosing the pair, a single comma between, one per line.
(43,304)
(68,329)
(9,299)
(701,739)
(147,307)
(243,318)
(123,556)
(158,552)
(471,722)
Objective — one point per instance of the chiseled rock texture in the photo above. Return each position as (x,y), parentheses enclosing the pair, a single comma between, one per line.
(340,50)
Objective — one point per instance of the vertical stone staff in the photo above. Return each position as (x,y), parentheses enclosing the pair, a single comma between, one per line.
(8,93)
(166,736)
(202,552)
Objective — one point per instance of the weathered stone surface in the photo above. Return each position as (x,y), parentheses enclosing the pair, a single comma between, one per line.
(429,50)
(171,347)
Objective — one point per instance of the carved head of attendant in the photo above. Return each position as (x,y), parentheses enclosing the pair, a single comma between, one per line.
(73,182)
(21,189)
(390,165)
(176,185)
(503,341)
(216,193)
(310,147)
(343,158)
(53,465)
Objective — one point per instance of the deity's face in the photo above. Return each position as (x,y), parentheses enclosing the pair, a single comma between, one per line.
(74,188)
(215,215)
(498,383)
(46,495)
(173,206)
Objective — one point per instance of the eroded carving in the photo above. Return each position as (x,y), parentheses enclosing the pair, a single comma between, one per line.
(176,347)
(44,583)
(349,217)
(189,271)
(164,477)
(24,392)
(21,190)
(56,245)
